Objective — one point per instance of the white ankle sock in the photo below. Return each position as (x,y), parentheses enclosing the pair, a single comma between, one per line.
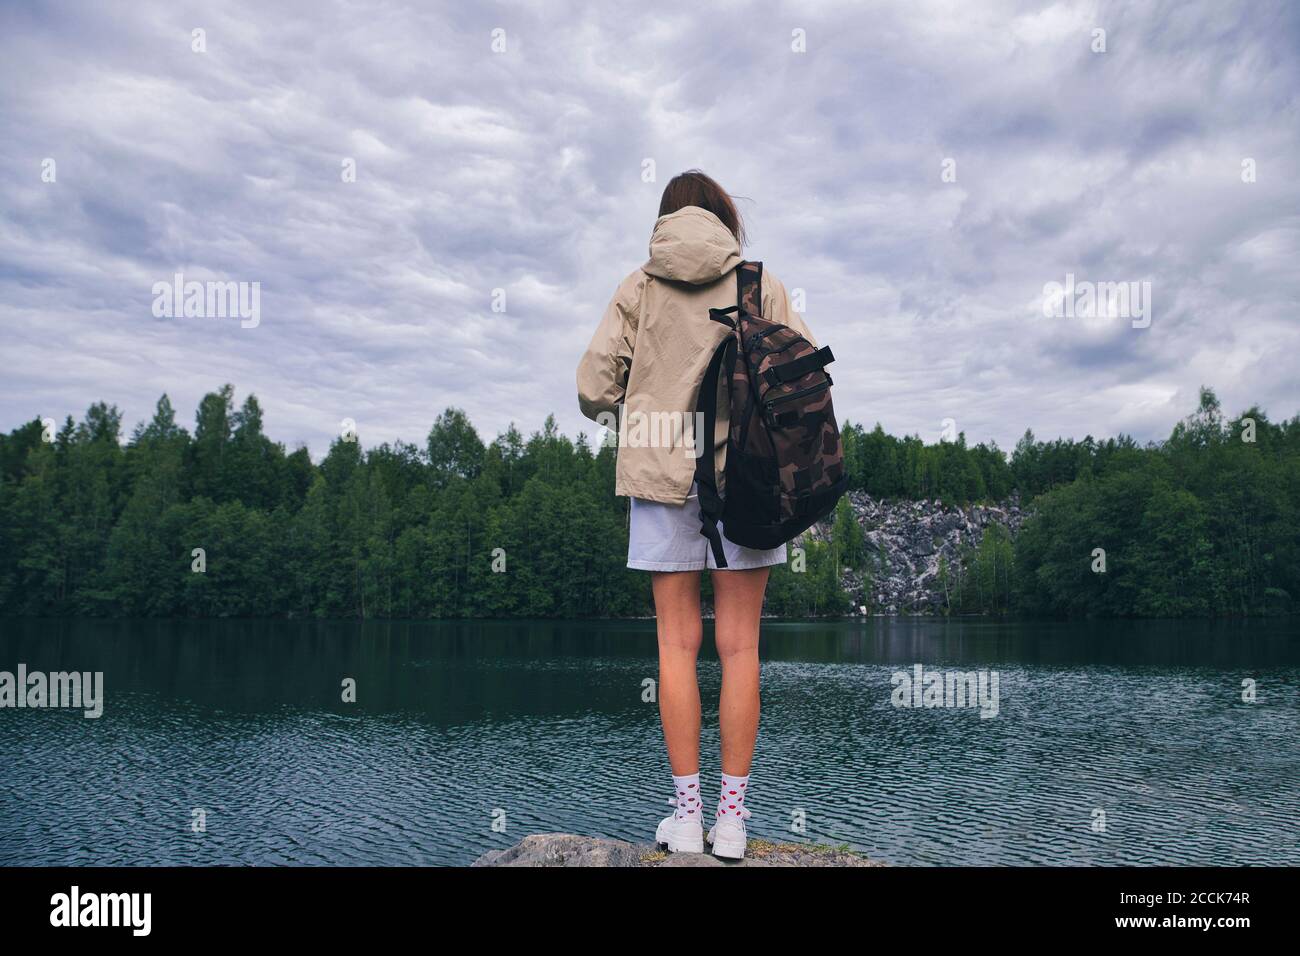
(686,790)
(732,799)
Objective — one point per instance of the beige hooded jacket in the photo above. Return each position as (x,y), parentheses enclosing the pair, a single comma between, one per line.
(651,349)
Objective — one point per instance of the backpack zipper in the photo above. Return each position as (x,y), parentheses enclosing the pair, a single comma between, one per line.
(753,342)
(768,403)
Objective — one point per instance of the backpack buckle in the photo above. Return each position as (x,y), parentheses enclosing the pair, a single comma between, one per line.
(776,419)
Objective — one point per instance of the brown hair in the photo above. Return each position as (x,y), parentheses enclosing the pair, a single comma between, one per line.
(694,188)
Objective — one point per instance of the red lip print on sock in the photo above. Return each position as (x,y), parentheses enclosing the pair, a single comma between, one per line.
(731,806)
(732,792)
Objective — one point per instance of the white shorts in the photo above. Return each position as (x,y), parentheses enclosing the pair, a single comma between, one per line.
(667,538)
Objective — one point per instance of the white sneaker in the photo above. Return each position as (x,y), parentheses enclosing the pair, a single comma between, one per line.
(728,836)
(680,836)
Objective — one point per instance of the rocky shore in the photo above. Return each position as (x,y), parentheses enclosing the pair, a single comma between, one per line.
(567,849)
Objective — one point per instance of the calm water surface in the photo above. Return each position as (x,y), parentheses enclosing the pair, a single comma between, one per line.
(1141,722)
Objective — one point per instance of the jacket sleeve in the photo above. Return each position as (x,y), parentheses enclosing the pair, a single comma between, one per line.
(603,371)
(777,308)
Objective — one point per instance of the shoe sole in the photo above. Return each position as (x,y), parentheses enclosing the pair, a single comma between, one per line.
(729,849)
(680,846)
(690,846)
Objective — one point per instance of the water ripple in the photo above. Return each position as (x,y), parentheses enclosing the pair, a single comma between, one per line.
(457,747)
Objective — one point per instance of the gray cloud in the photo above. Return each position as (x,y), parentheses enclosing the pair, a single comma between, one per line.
(522,171)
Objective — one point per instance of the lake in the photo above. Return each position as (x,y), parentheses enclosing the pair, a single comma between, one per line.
(1113,742)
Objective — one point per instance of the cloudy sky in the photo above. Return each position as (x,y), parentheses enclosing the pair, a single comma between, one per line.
(522,169)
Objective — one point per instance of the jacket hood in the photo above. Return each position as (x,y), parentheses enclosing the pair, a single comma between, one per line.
(692,245)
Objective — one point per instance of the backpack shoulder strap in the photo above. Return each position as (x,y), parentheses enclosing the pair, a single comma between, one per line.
(749,287)
(706,485)
(749,298)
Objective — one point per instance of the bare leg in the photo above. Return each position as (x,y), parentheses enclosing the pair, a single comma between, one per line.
(677,618)
(738,605)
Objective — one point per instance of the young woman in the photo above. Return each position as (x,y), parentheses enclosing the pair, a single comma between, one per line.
(648,356)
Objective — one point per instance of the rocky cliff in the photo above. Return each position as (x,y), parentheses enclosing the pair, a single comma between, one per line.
(906,541)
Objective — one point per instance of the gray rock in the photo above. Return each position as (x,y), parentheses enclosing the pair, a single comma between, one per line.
(906,540)
(760,853)
(566,849)
(947,523)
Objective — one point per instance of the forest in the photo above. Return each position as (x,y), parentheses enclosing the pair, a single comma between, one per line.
(224,522)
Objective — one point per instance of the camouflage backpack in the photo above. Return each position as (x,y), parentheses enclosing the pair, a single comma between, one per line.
(785,461)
